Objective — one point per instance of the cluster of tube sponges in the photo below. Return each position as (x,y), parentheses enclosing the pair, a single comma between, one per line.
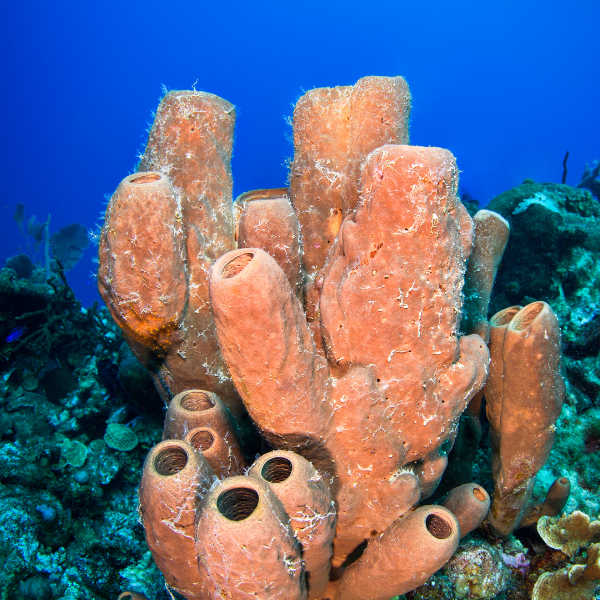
(328,314)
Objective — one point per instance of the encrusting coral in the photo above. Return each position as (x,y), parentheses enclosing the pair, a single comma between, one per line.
(334,324)
(577,582)
(569,534)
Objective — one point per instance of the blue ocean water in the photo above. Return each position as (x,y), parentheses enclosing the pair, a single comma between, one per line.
(508,87)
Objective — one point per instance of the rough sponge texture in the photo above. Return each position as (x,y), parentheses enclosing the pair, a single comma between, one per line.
(525,392)
(191,141)
(245,545)
(392,293)
(135,254)
(395,370)
(164,228)
(334,131)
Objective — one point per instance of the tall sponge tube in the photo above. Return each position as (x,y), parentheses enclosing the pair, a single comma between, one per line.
(524,394)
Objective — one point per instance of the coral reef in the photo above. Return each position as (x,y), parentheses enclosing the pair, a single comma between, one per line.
(369,387)
(560,224)
(569,533)
(67,500)
(591,179)
(478,571)
(80,412)
(557,227)
(581,577)
(344,348)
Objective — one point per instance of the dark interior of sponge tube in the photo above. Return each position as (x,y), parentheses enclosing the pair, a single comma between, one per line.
(438,526)
(237,504)
(236,265)
(149,178)
(170,460)
(196,401)
(203,439)
(277,469)
(526,317)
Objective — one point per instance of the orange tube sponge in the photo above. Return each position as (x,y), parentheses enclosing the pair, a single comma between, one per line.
(334,130)
(216,451)
(424,539)
(245,545)
(157,268)
(491,236)
(469,503)
(196,408)
(369,407)
(175,476)
(556,498)
(524,394)
(192,409)
(306,499)
(392,293)
(134,253)
(191,141)
(494,384)
(371,487)
(271,356)
(339,425)
(268,221)
(366,380)
(553,504)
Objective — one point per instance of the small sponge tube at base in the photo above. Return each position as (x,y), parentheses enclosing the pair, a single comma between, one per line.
(469,503)
(306,498)
(421,542)
(174,477)
(245,546)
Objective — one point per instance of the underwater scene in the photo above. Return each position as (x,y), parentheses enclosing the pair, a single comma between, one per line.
(300,301)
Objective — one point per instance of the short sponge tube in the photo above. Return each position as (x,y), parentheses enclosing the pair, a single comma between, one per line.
(174,477)
(306,498)
(469,503)
(246,548)
(216,451)
(421,542)
(196,408)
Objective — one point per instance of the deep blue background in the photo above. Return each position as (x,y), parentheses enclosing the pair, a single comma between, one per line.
(507,86)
